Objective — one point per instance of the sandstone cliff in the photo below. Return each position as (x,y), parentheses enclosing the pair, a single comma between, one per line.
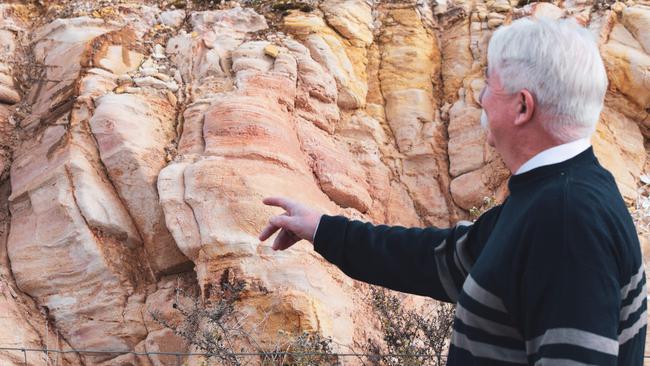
(138,138)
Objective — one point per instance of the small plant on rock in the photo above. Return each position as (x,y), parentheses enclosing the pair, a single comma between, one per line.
(409,337)
(217,329)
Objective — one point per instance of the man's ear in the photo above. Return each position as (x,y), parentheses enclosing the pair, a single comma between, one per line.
(525,107)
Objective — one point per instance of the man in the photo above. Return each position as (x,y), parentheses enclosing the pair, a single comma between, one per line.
(554,275)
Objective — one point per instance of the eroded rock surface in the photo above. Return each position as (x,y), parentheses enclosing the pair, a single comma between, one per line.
(137,143)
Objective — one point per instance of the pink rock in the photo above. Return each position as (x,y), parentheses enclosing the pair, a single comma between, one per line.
(344,184)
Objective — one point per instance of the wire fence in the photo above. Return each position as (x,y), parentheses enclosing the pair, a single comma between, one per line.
(178,357)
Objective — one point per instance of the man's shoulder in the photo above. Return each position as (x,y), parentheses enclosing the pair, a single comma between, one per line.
(580,198)
(584,211)
(580,191)
(592,194)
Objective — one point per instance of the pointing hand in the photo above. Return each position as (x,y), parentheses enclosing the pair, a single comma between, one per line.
(298,222)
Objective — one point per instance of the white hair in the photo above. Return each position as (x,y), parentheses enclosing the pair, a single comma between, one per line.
(559,63)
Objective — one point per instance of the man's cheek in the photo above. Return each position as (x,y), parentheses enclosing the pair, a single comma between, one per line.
(490,138)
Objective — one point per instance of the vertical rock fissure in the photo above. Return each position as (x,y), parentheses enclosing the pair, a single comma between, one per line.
(107,176)
(442,153)
(395,175)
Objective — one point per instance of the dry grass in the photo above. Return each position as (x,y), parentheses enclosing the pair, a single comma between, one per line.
(420,336)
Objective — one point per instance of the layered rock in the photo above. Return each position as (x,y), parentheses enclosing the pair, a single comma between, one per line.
(74,245)
(480,173)
(213,210)
(147,139)
(132,132)
(618,141)
(337,39)
(29,323)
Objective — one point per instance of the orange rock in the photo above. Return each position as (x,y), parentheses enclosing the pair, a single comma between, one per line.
(133,174)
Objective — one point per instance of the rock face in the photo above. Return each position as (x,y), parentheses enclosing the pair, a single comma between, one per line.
(137,144)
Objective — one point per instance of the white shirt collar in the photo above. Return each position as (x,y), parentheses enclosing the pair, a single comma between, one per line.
(556,154)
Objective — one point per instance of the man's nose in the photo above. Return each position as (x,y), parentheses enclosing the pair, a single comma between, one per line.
(480,97)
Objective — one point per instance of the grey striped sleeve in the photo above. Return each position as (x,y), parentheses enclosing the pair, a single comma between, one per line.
(560,362)
(575,337)
(460,262)
(634,282)
(487,350)
(478,293)
(633,330)
(444,274)
(486,325)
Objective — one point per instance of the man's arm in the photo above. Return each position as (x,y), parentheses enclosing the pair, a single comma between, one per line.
(412,260)
(431,262)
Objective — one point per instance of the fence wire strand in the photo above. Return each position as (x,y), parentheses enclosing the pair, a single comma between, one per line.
(178,355)
(137,353)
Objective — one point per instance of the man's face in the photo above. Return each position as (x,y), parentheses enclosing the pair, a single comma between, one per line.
(499,111)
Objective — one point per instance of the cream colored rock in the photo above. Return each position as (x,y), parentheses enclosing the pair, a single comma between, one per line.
(97,82)
(62,45)
(251,56)
(236,19)
(618,7)
(73,246)
(620,35)
(409,59)
(8,93)
(466,140)
(350,18)
(470,189)
(215,213)
(229,229)
(172,18)
(368,144)
(203,56)
(345,63)
(316,92)
(495,20)
(271,50)
(628,69)
(618,144)
(405,77)
(119,60)
(16,317)
(173,292)
(132,134)
(637,20)
(500,6)
(20,314)
(92,263)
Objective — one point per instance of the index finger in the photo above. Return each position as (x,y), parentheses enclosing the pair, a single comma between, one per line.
(285,203)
